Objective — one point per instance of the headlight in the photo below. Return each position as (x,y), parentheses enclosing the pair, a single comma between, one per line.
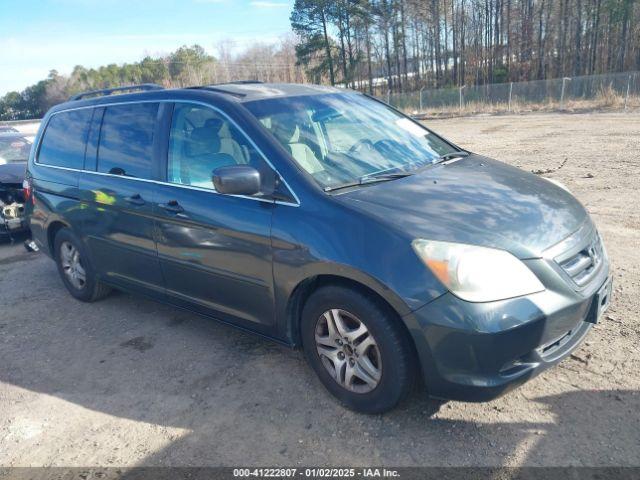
(477,274)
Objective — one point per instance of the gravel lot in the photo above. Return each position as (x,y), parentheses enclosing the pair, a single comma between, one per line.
(130,382)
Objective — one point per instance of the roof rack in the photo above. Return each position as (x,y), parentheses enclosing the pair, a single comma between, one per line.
(219,87)
(108,91)
(211,88)
(241,82)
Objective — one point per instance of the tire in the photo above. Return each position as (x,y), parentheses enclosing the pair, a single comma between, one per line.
(386,361)
(84,287)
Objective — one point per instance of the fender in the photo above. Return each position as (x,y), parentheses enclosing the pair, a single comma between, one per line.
(296,278)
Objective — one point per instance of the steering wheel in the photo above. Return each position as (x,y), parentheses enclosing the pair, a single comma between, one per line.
(360,144)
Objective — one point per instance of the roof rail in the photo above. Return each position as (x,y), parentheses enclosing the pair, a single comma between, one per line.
(108,91)
(219,87)
(241,82)
(213,88)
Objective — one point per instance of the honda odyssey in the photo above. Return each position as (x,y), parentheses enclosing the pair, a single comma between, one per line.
(320,218)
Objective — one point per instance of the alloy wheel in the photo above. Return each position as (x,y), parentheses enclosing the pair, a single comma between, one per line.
(72,265)
(348,351)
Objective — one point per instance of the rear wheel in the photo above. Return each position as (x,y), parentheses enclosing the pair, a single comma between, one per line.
(358,349)
(75,269)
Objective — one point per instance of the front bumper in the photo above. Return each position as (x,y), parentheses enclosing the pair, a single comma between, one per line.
(479,351)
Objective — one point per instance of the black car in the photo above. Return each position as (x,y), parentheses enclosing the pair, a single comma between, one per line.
(320,218)
(14,153)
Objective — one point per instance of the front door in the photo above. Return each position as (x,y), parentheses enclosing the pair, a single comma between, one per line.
(214,249)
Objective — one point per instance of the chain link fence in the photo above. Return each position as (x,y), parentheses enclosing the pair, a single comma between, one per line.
(610,91)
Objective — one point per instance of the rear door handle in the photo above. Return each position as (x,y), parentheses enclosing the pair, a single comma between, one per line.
(172,206)
(135,199)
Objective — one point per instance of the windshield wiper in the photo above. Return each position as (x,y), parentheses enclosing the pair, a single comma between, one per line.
(452,155)
(384,176)
(366,180)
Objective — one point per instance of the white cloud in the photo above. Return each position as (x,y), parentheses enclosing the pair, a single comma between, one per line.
(267,4)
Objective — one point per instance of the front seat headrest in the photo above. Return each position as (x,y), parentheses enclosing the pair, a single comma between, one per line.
(214,123)
(284,131)
(204,141)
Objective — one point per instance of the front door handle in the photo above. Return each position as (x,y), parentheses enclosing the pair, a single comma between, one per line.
(172,206)
(135,199)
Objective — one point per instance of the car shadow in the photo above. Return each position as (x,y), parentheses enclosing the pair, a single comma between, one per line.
(14,238)
(219,396)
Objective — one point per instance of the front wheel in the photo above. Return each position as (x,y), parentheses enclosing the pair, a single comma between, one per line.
(75,268)
(357,347)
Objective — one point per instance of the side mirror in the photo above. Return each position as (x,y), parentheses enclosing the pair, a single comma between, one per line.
(236,180)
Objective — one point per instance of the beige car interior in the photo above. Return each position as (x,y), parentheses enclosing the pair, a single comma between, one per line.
(288,133)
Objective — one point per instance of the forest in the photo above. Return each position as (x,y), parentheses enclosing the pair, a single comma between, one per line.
(381,46)
(405,44)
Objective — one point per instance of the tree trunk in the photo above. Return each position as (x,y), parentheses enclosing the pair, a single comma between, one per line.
(368,47)
(577,68)
(540,74)
(327,47)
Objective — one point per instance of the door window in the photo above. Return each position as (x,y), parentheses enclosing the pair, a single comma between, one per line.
(126,140)
(202,140)
(64,140)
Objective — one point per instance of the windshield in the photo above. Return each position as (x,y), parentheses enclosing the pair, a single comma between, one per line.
(342,138)
(14,149)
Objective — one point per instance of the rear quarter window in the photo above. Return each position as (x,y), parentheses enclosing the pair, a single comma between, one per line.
(64,140)
(126,140)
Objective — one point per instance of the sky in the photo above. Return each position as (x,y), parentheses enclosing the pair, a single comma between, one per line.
(37,36)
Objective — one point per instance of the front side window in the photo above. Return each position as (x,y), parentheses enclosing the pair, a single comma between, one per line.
(202,140)
(126,140)
(343,137)
(64,141)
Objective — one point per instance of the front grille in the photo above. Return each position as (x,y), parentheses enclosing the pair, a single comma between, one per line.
(584,265)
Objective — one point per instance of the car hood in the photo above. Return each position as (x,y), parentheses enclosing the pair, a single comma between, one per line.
(478,201)
(13,172)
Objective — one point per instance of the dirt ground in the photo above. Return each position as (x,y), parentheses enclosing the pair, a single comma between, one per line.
(130,382)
